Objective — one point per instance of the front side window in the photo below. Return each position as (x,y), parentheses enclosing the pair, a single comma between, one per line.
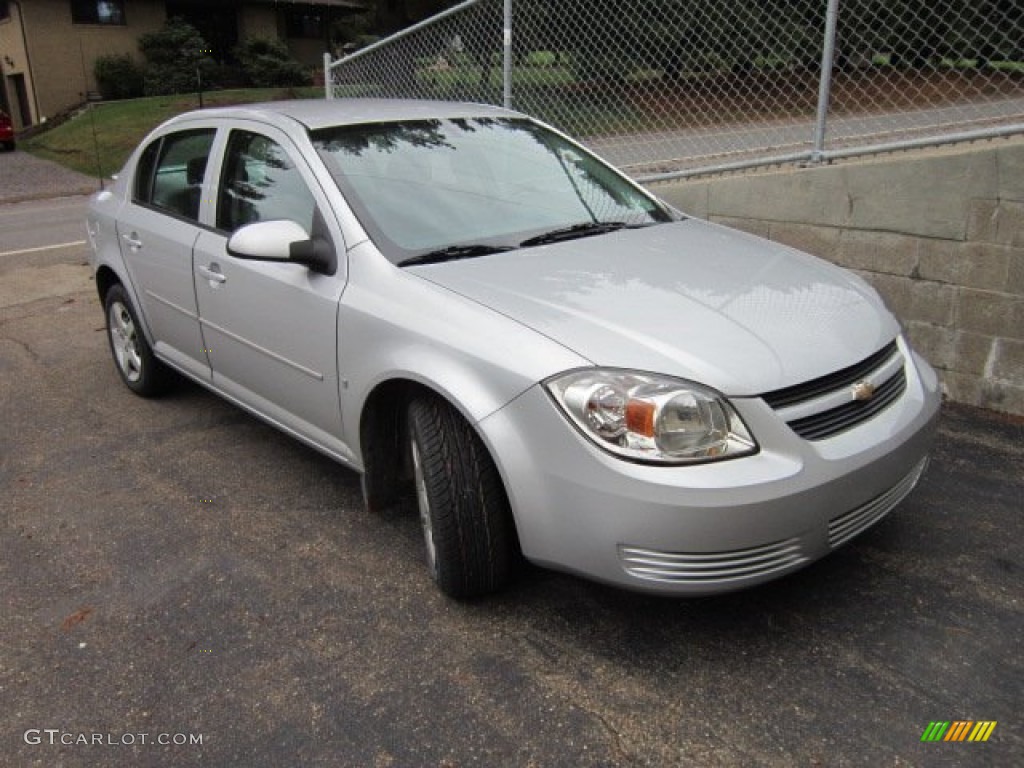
(428,184)
(97,12)
(259,182)
(169,174)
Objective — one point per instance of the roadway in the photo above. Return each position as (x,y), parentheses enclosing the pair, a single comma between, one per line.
(42,231)
(43,251)
(669,150)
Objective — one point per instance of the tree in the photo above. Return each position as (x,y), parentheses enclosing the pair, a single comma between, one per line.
(267,64)
(175,56)
(353,31)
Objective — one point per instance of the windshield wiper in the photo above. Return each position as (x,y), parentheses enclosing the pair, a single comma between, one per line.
(585,229)
(452,253)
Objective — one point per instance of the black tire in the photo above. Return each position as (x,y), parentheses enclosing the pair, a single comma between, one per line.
(464,511)
(141,372)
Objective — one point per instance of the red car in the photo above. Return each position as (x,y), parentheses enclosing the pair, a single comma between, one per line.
(6,131)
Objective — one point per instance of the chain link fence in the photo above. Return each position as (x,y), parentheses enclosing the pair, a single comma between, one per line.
(679,88)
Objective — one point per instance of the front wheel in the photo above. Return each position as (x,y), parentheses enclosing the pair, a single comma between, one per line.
(464,511)
(140,370)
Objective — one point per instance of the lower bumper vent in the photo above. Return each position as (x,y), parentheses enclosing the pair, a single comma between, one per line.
(709,567)
(843,528)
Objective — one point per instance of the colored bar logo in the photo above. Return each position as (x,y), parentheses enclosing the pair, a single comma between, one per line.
(958,730)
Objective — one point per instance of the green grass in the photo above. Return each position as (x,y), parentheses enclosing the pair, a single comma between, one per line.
(120,125)
(1008,66)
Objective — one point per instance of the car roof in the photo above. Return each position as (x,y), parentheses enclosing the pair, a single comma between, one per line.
(323,113)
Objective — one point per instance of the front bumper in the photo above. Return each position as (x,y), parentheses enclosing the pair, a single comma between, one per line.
(712,527)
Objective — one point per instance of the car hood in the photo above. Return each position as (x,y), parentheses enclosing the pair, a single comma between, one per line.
(687,299)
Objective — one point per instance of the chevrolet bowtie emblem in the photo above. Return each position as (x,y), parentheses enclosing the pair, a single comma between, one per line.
(862,391)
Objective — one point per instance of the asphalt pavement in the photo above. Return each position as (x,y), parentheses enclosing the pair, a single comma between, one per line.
(26,177)
(173,570)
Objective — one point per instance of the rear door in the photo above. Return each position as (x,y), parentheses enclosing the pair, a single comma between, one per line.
(270,328)
(157,231)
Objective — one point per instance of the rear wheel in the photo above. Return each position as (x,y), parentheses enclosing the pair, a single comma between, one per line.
(140,370)
(463,508)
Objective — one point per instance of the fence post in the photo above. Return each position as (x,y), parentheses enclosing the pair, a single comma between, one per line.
(825,84)
(506,62)
(328,87)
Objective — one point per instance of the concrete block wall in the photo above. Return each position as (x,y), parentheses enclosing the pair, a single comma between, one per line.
(939,233)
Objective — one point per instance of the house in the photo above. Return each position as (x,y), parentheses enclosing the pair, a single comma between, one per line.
(48,47)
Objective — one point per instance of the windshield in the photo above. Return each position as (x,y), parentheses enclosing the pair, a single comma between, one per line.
(426,185)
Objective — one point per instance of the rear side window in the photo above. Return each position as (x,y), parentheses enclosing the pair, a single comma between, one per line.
(170,172)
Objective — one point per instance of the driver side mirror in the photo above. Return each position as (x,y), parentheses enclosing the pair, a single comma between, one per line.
(286,241)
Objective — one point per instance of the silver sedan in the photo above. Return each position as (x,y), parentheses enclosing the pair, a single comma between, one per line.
(481,317)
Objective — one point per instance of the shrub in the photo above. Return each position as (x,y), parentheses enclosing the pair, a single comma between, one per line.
(267,64)
(174,54)
(118,76)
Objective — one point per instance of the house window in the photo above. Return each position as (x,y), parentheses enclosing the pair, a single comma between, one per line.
(5,10)
(97,11)
(304,23)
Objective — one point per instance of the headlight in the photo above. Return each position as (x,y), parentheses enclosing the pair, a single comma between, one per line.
(652,418)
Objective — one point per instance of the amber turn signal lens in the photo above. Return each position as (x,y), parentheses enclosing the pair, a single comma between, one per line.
(640,417)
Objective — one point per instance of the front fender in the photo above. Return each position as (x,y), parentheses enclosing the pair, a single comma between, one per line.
(395,325)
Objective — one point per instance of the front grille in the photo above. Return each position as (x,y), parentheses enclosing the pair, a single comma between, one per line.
(809,390)
(836,420)
(710,567)
(825,407)
(843,528)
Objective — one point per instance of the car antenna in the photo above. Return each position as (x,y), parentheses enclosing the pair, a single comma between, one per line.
(92,118)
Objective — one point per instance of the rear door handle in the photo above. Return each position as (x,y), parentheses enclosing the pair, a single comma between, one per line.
(133,241)
(213,274)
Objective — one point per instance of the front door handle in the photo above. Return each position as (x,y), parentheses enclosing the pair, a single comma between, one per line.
(213,273)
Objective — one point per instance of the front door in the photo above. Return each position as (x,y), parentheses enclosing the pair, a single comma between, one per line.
(270,328)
